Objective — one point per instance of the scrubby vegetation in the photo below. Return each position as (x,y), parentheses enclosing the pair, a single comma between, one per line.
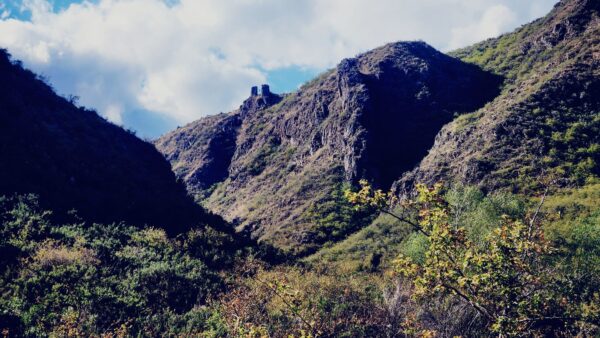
(467,264)
(514,279)
(386,237)
(509,247)
(497,263)
(78,279)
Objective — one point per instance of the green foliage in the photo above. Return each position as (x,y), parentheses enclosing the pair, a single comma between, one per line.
(263,155)
(335,217)
(465,120)
(574,143)
(461,257)
(93,279)
(479,214)
(568,207)
(384,235)
(476,211)
(502,55)
(509,278)
(415,246)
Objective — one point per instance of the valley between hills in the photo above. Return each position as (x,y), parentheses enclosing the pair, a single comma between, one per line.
(403,193)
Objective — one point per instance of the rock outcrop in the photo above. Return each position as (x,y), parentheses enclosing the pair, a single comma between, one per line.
(373,116)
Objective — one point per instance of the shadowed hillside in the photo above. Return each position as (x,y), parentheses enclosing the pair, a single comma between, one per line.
(75,159)
(289,157)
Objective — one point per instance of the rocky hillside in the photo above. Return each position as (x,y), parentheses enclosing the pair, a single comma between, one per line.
(74,159)
(547,119)
(544,124)
(277,165)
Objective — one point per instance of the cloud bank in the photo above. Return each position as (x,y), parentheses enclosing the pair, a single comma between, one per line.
(171,62)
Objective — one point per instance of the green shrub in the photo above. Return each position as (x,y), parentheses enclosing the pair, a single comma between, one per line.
(90,279)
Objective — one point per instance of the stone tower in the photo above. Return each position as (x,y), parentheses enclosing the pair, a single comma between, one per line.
(264,90)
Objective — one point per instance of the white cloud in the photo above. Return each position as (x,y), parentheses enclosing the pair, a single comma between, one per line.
(494,21)
(113,113)
(199,57)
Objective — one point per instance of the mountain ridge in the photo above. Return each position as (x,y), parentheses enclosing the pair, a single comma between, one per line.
(551,67)
(540,133)
(504,239)
(296,154)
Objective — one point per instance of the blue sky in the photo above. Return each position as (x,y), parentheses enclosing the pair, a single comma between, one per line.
(15,7)
(151,65)
(284,79)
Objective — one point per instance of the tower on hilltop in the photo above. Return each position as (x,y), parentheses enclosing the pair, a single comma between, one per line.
(264,90)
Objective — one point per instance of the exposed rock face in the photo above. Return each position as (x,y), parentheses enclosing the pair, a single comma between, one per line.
(201,152)
(203,159)
(373,116)
(414,90)
(547,119)
(74,159)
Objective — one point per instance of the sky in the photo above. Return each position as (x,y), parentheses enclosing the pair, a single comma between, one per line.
(153,65)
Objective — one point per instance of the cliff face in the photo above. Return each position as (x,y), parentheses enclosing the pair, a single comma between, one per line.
(74,159)
(277,165)
(201,159)
(201,152)
(545,122)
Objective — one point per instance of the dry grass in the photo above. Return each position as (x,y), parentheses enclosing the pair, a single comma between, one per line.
(51,254)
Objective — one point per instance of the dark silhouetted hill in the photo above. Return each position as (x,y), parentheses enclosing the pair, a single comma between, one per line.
(74,159)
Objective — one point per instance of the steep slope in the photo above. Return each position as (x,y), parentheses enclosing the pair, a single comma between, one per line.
(201,152)
(373,116)
(75,159)
(112,275)
(547,120)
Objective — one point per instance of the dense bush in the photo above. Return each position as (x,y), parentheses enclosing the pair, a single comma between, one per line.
(474,265)
(515,280)
(81,279)
(386,237)
(293,301)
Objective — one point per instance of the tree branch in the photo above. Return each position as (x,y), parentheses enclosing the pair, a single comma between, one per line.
(480,308)
(537,211)
(416,226)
